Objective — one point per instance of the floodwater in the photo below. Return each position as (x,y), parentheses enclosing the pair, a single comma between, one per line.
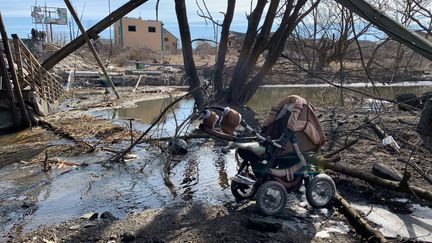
(30,198)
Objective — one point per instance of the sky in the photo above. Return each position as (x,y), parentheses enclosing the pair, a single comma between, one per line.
(16,15)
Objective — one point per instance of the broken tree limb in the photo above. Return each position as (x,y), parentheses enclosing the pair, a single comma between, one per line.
(119,156)
(346,146)
(375,180)
(417,168)
(184,137)
(371,233)
(91,46)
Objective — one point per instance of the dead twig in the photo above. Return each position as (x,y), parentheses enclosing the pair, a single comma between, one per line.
(119,156)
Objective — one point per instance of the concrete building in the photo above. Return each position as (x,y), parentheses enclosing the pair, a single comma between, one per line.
(139,33)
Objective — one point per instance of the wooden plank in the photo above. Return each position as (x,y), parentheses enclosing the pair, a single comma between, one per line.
(92,33)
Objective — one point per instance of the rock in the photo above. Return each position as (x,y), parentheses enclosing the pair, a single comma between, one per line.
(386,172)
(178,147)
(130,156)
(88,225)
(75,227)
(90,216)
(107,215)
(408,101)
(128,237)
(264,224)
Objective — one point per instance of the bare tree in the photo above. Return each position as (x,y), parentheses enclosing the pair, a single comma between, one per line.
(246,79)
(189,63)
(223,46)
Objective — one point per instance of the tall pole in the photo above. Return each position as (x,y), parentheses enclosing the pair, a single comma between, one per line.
(111,44)
(91,46)
(46,25)
(18,94)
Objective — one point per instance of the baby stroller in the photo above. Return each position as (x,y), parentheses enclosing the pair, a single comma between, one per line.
(278,160)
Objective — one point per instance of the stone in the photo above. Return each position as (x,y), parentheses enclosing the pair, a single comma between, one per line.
(90,216)
(75,227)
(107,215)
(88,225)
(386,172)
(178,147)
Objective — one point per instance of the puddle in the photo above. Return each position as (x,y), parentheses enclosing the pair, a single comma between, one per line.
(31,198)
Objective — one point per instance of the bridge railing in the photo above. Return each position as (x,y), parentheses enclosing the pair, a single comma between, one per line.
(31,74)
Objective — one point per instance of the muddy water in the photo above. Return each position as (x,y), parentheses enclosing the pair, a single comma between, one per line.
(30,197)
(268,96)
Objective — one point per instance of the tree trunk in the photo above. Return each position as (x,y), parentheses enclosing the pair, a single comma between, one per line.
(275,49)
(239,75)
(189,63)
(375,180)
(223,46)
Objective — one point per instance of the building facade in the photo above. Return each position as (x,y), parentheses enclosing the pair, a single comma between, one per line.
(139,33)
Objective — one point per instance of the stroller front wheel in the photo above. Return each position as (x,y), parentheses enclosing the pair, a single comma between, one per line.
(271,198)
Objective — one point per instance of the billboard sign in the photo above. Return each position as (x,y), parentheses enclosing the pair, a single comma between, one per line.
(49,15)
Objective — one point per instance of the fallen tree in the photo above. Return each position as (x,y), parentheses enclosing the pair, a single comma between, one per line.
(401,186)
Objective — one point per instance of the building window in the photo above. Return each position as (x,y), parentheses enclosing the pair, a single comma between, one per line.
(131,28)
(166,39)
(152,29)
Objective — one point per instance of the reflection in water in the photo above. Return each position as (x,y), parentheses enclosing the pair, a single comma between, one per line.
(223,177)
(190,178)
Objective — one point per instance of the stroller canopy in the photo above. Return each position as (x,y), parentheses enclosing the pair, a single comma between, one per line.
(295,113)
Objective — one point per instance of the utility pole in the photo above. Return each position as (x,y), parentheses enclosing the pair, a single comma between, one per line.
(91,46)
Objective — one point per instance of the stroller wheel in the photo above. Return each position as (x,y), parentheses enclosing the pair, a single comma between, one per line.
(320,191)
(271,198)
(242,191)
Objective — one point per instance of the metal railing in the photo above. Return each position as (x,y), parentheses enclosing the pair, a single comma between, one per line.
(31,74)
